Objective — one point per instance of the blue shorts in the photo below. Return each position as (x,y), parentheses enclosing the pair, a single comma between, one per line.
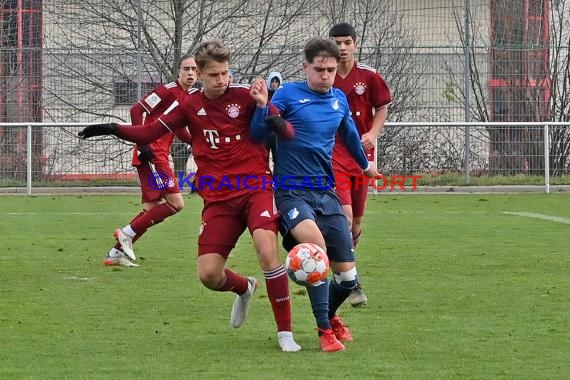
(324,208)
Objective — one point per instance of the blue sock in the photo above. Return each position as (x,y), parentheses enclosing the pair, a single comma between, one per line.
(319,296)
(338,293)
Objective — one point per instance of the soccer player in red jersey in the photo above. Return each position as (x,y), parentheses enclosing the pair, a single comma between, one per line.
(368,97)
(160,199)
(233,178)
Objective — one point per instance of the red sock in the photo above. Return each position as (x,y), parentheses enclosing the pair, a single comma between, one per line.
(278,292)
(117,244)
(152,217)
(232,282)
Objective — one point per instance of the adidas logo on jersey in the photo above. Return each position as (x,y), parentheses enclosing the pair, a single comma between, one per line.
(201,112)
(265,214)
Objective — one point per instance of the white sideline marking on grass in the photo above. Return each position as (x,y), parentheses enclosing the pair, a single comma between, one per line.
(76,278)
(416,212)
(551,218)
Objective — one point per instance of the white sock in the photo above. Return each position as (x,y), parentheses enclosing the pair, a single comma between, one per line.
(286,341)
(114,252)
(129,231)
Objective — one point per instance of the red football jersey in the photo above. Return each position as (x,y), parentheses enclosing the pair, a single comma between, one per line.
(148,109)
(230,163)
(365,90)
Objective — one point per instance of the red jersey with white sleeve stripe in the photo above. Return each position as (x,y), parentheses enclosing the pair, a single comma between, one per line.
(230,164)
(148,109)
(366,91)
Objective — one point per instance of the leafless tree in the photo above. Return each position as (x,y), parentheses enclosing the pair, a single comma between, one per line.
(91,41)
(96,47)
(388,46)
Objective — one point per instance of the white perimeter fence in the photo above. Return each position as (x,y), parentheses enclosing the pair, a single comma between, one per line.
(37,155)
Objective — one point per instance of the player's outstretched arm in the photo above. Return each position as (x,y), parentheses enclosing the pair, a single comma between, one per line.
(137,133)
(137,113)
(98,130)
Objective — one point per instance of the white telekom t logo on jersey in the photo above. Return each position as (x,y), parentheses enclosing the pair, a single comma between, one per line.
(212,137)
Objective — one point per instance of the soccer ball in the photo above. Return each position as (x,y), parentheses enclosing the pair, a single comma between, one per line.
(307,264)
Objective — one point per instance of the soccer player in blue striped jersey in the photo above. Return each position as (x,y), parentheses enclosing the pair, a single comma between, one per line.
(304,182)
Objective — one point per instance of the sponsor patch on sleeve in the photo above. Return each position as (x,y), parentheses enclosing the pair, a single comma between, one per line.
(152,100)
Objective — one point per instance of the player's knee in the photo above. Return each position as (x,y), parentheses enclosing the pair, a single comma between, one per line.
(265,249)
(347,280)
(209,275)
(268,256)
(209,280)
(175,201)
(174,206)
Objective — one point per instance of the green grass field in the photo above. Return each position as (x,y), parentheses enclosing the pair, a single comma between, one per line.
(458,289)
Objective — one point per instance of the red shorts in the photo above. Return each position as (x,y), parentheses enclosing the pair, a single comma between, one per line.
(352,191)
(223,222)
(154,184)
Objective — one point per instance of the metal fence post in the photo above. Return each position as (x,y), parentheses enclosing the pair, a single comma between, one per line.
(29,159)
(372,181)
(139,47)
(546,161)
(467,86)
(467,178)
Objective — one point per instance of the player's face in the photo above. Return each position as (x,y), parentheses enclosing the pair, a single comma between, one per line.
(321,73)
(215,78)
(347,48)
(275,83)
(187,73)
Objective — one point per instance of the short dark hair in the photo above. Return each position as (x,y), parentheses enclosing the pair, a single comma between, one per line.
(184,58)
(208,51)
(343,29)
(320,47)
